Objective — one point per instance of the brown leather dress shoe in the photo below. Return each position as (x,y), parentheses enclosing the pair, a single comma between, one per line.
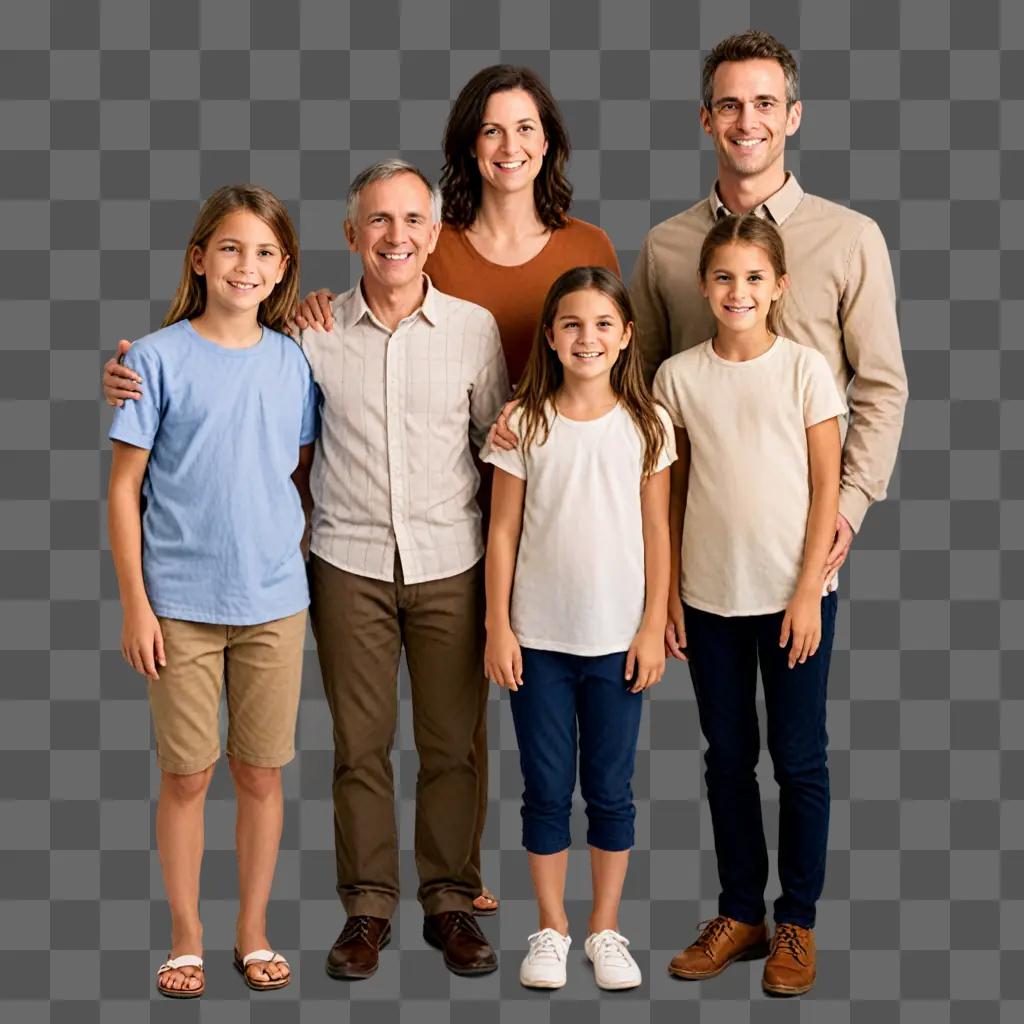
(458,936)
(355,955)
(722,941)
(790,967)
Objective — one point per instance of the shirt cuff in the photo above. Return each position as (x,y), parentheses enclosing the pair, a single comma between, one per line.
(853,506)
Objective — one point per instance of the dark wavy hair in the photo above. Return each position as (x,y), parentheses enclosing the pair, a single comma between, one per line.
(544,373)
(460,177)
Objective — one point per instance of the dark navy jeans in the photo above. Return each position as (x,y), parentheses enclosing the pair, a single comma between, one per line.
(569,701)
(724,656)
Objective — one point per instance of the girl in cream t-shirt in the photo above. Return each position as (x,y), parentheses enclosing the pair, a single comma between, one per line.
(754,503)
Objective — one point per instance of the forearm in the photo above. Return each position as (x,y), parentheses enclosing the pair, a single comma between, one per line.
(823,468)
(657,574)
(677,509)
(499,572)
(872,444)
(124,522)
(821,529)
(654,505)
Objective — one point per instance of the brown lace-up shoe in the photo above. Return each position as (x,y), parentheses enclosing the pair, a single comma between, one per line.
(354,955)
(458,936)
(722,940)
(789,969)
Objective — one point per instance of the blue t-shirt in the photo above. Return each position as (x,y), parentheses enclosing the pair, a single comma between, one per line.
(223,521)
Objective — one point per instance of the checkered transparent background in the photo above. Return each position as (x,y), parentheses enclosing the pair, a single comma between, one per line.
(117,116)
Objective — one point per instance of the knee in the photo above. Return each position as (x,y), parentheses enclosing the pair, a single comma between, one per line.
(799,766)
(255,782)
(185,788)
(731,760)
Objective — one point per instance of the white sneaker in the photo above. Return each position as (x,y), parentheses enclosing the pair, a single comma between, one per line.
(614,968)
(544,963)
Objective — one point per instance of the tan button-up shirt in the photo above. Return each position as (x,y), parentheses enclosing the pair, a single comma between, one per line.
(841,301)
(393,465)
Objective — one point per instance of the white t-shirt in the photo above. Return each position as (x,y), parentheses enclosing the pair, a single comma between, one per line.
(749,483)
(579,584)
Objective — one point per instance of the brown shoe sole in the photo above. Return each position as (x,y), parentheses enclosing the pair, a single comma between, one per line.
(787,990)
(758,952)
(342,975)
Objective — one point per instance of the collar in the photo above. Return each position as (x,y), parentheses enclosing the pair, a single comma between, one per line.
(354,307)
(778,206)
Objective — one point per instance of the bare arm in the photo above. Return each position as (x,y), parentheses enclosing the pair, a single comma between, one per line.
(503,661)
(647,652)
(301,480)
(675,630)
(141,640)
(802,620)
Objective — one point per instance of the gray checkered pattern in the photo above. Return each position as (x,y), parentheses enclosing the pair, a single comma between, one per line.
(118,115)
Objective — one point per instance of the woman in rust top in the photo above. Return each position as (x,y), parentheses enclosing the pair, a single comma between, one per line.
(507,236)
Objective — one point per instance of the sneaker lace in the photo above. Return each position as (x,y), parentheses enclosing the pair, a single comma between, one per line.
(610,947)
(710,931)
(544,948)
(787,939)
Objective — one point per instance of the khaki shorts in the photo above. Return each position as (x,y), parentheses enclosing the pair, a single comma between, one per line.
(261,668)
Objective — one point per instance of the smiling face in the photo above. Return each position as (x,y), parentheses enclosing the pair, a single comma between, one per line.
(394,231)
(740,285)
(748,120)
(242,262)
(587,333)
(510,145)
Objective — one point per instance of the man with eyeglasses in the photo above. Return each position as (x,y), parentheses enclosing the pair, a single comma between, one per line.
(841,301)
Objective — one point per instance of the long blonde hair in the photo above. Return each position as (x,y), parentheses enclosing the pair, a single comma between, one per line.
(544,373)
(190,298)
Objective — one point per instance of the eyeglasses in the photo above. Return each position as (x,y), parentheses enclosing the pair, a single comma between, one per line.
(729,110)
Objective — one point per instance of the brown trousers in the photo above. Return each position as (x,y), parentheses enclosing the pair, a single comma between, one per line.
(360,626)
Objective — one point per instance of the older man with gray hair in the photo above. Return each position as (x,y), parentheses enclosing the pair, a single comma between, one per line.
(409,376)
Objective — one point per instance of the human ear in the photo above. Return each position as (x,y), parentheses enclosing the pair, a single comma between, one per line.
(793,116)
(350,236)
(197,260)
(627,336)
(281,269)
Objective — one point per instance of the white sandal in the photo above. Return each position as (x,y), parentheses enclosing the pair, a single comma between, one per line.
(175,964)
(262,956)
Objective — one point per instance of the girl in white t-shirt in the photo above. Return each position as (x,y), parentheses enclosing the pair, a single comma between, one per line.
(754,502)
(579,525)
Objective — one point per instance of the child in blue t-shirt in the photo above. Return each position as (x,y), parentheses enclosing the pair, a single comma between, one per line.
(210,568)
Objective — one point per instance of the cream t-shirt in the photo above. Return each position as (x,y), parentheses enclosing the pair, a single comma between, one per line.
(579,583)
(749,486)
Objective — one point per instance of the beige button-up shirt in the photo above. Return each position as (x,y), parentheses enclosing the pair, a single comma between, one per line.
(841,301)
(393,465)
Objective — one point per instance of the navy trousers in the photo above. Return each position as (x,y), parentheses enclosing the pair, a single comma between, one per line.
(570,703)
(724,656)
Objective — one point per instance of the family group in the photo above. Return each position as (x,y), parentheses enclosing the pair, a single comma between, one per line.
(670,470)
